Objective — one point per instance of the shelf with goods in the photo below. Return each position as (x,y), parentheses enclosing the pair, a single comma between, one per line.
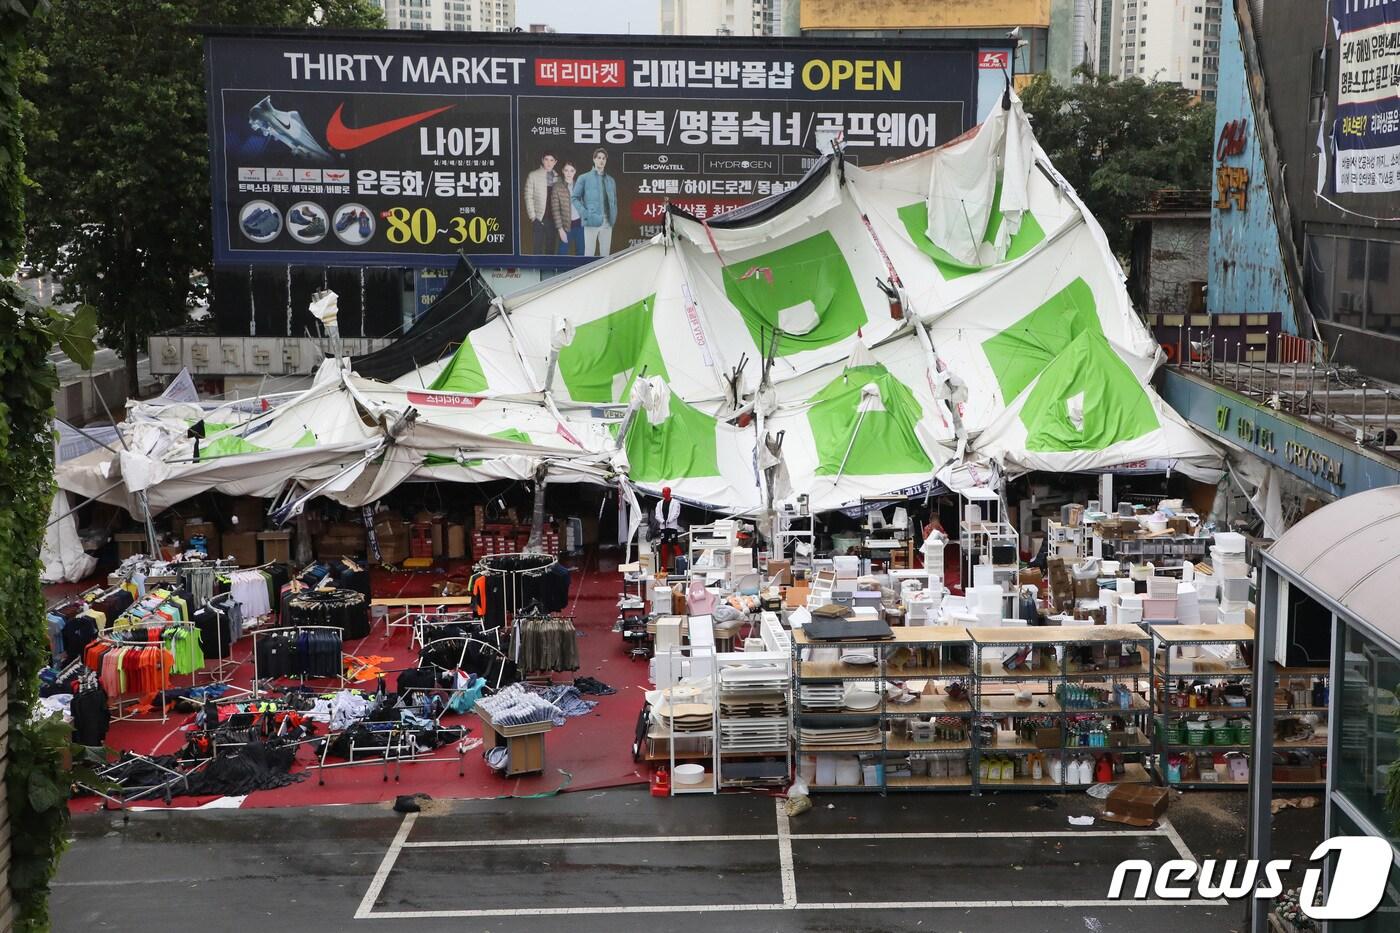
(754,718)
(1221,731)
(930,730)
(1081,703)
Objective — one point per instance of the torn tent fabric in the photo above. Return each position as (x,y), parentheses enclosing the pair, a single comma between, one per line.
(956,314)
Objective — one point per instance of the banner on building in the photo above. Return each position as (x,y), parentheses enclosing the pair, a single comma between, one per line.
(385,149)
(1366,128)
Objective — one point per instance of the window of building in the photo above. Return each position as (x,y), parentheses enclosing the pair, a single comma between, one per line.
(1195,41)
(1347,280)
(1195,59)
(1369,712)
(1195,76)
(1317,87)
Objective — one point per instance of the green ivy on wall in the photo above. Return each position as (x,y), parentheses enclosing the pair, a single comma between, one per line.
(39,758)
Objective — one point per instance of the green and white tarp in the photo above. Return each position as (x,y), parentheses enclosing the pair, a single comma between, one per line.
(953,316)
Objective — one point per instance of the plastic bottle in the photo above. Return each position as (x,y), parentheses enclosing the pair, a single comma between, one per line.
(1036,771)
(1056,770)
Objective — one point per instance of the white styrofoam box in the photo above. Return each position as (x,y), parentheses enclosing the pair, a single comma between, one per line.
(1131,601)
(826,770)
(985,598)
(1159,610)
(972,514)
(1229,542)
(864,614)
(1230,616)
(660,599)
(1232,605)
(1129,615)
(1161,587)
(1014,622)
(983,575)
(1209,613)
(1234,589)
(847,770)
(847,566)
(955,603)
(822,563)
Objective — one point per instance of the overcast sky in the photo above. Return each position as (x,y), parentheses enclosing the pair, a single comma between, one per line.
(614,16)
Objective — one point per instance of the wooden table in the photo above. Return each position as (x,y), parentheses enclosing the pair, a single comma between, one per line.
(524,743)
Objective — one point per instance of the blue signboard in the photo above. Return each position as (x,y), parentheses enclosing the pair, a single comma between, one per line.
(399,149)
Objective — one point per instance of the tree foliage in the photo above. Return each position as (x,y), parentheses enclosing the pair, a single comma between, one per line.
(119,208)
(1117,142)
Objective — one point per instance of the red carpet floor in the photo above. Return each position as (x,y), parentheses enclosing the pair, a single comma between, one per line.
(595,750)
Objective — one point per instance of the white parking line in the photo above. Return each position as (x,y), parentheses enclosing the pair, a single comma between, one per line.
(785,839)
(386,865)
(785,868)
(584,841)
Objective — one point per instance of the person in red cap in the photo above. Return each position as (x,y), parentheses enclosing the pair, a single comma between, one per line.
(668,526)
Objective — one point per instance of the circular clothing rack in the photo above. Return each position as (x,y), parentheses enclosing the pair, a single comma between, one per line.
(512,570)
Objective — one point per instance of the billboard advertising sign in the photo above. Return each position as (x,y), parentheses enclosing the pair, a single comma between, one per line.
(1366,128)
(401,149)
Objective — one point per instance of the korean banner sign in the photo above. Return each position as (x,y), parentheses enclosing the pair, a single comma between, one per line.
(1366,131)
(388,149)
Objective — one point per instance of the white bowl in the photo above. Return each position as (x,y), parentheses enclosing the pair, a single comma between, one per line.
(689,774)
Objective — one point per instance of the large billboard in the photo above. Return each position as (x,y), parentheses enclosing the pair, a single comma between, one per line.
(1366,128)
(401,149)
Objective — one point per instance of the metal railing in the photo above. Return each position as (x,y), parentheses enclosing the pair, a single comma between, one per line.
(1295,375)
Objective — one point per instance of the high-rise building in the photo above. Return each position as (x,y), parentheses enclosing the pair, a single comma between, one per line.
(1177,41)
(721,17)
(452,15)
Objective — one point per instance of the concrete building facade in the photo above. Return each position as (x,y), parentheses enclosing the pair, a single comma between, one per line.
(1176,41)
(721,17)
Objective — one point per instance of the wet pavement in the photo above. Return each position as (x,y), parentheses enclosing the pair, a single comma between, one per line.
(622,860)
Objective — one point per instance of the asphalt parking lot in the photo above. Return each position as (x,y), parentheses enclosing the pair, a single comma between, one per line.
(622,860)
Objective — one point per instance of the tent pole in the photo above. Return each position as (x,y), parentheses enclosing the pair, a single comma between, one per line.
(83,503)
(852,444)
(152,542)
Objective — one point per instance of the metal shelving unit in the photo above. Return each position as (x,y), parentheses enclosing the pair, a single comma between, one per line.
(1169,638)
(1055,670)
(941,639)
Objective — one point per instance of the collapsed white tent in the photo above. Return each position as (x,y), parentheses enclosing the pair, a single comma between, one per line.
(955,312)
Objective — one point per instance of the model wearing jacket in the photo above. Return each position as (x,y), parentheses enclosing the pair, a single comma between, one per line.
(595,196)
(537,187)
(568,226)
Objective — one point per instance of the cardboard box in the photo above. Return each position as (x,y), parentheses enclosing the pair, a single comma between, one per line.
(1031,576)
(782,569)
(276,546)
(1135,804)
(1048,738)
(1086,589)
(242,546)
(211,537)
(249,510)
(341,539)
(796,595)
(456,547)
(129,544)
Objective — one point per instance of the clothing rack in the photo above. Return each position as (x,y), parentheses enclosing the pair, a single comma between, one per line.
(296,629)
(198,576)
(401,748)
(502,565)
(539,649)
(466,642)
(162,665)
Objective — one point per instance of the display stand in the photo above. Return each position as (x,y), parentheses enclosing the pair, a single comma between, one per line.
(943,642)
(1069,694)
(286,629)
(524,743)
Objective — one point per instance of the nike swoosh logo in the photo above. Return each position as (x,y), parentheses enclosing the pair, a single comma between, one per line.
(343,137)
